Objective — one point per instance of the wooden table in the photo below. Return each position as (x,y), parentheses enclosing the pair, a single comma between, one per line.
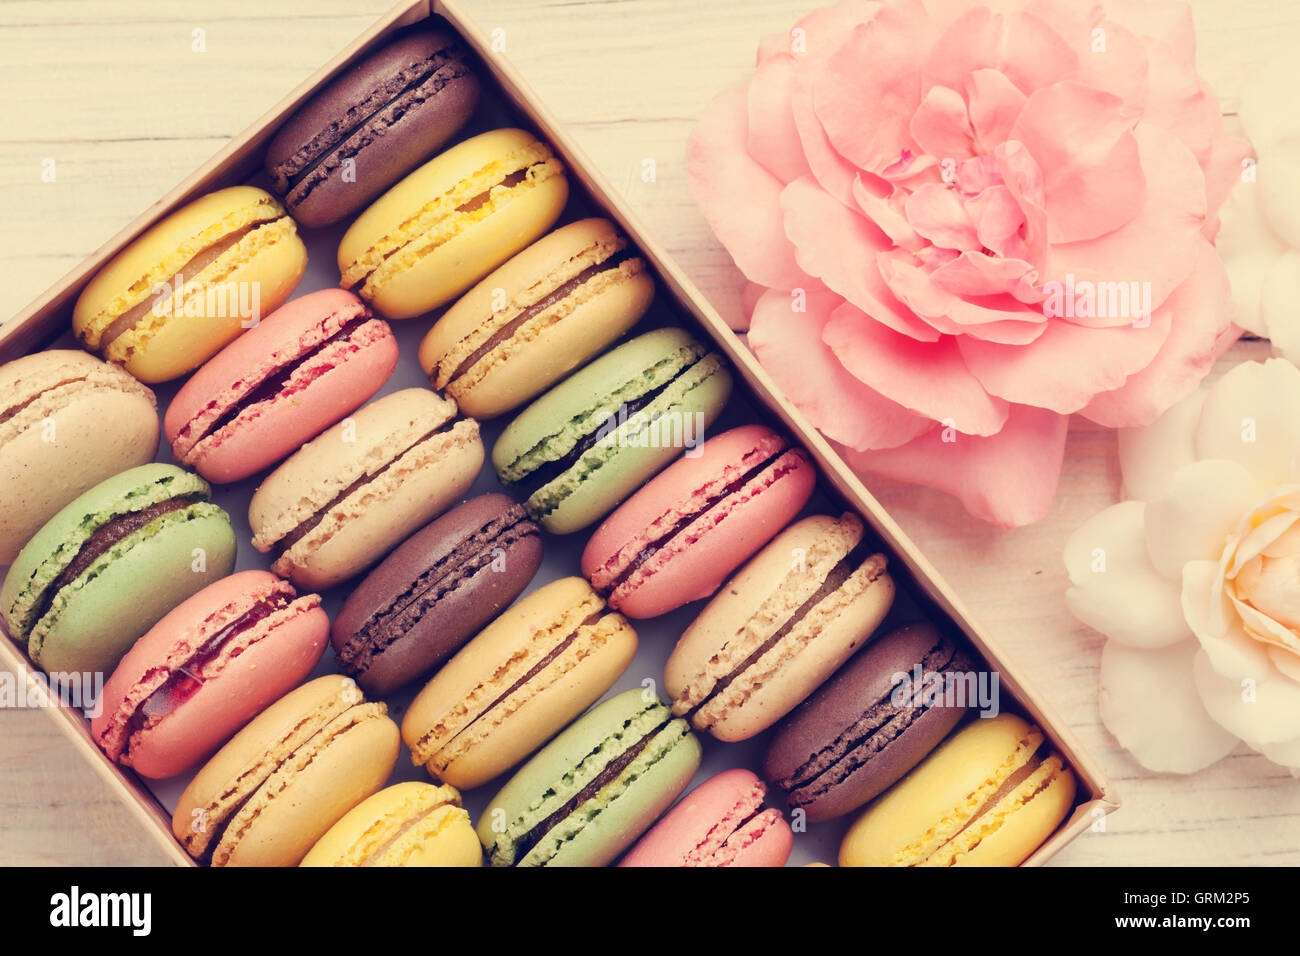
(127,98)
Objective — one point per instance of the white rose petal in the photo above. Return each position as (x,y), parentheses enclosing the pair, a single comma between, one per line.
(1209,614)
(1191,521)
(1148,700)
(1288,664)
(1148,457)
(1267,109)
(1116,591)
(1249,248)
(1284,755)
(1261,709)
(1278,162)
(1250,417)
(1279,294)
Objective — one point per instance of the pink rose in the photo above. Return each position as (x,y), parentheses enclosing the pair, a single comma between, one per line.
(964,223)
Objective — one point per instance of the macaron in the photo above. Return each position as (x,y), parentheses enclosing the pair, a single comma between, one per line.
(193,282)
(722,822)
(452,221)
(407,824)
(537,318)
(278,786)
(781,626)
(344,499)
(678,538)
(305,366)
(373,124)
(989,796)
(526,675)
(206,669)
(588,443)
(871,723)
(110,564)
(67,422)
(587,795)
(433,593)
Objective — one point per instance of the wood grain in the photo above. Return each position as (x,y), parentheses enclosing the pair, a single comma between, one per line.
(122,101)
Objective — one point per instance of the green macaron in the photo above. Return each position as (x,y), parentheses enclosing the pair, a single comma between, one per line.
(107,567)
(592,440)
(589,793)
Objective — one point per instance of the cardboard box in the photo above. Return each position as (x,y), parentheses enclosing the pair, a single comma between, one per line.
(48,317)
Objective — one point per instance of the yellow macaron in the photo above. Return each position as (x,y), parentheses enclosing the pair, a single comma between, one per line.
(193,282)
(452,221)
(407,824)
(988,796)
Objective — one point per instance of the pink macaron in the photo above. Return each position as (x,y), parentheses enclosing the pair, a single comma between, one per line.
(304,367)
(206,669)
(678,538)
(722,822)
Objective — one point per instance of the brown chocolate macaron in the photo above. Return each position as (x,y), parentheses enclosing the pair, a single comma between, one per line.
(375,123)
(435,591)
(868,726)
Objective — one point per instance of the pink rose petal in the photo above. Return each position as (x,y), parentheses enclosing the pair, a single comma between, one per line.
(887,213)
(1200,332)
(741,200)
(928,378)
(773,138)
(839,247)
(1066,366)
(832,171)
(995,102)
(866,112)
(790,346)
(941,127)
(819,31)
(1008,479)
(1082,139)
(1163,242)
(937,213)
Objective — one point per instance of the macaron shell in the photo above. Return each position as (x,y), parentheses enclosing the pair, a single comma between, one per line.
(98,424)
(943,790)
(108,614)
(687,826)
(455,618)
(1025,829)
(770,847)
(456,264)
(249,683)
(421,495)
(599,492)
(183,342)
(340,775)
(620,821)
(786,681)
(525,370)
(685,573)
(387,145)
(438,831)
(868,678)
(356,371)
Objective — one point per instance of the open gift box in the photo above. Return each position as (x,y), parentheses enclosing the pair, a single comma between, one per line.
(508,101)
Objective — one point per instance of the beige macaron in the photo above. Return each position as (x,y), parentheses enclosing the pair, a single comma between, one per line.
(67,422)
(527,674)
(280,783)
(347,497)
(545,312)
(779,628)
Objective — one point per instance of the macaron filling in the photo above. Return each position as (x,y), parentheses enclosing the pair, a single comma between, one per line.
(364,122)
(881,724)
(338,336)
(458,567)
(707,507)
